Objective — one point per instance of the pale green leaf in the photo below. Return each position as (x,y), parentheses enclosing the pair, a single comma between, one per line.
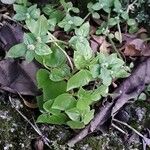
(79,79)
(17,51)
(64,101)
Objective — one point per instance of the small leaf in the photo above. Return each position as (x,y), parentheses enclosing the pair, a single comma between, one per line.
(75,124)
(48,107)
(52,119)
(83,30)
(17,51)
(28,38)
(142,96)
(77,20)
(112,22)
(97,6)
(29,56)
(20,9)
(8,1)
(95,15)
(118,6)
(95,70)
(73,113)
(38,28)
(55,59)
(79,60)
(118,36)
(64,101)
(105,75)
(42,49)
(88,116)
(81,78)
(59,74)
(131,22)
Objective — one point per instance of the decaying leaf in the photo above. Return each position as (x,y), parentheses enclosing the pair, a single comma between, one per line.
(16,75)
(135,46)
(99,43)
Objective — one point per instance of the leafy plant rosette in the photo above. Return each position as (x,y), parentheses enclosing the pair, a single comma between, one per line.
(70,86)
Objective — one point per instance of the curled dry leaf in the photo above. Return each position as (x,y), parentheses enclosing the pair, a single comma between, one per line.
(99,43)
(135,46)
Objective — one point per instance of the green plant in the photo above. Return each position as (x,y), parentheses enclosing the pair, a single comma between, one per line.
(69,91)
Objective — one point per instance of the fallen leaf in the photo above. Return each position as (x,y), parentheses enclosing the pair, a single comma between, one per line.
(16,75)
(135,46)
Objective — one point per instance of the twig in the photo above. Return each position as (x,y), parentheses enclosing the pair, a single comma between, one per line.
(125,124)
(114,47)
(86,16)
(119,129)
(130,6)
(45,139)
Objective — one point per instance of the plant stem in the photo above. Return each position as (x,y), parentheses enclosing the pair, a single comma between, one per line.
(125,124)
(120,35)
(131,5)
(114,47)
(86,16)
(54,39)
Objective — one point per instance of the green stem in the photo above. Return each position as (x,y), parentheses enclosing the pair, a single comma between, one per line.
(52,37)
(86,16)
(114,47)
(120,35)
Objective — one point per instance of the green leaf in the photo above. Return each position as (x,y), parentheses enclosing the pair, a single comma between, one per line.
(28,38)
(50,89)
(42,49)
(95,15)
(48,107)
(79,60)
(88,116)
(125,15)
(73,113)
(8,1)
(131,22)
(34,11)
(29,56)
(19,17)
(95,70)
(75,124)
(64,101)
(82,45)
(77,21)
(79,79)
(105,75)
(38,28)
(20,9)
(84,102)
(55,59)
(52,119)
(112,22)
(142,96)
(101,90)
(83,30)
(97,6)
(17,51)
(59,74)
(118,6)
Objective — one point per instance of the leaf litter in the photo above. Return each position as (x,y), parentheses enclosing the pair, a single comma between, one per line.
(21,78)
